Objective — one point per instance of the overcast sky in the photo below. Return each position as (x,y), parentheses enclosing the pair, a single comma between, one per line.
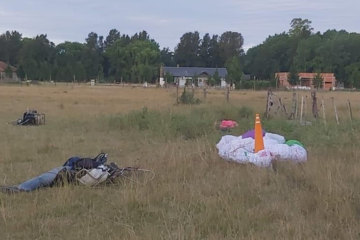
(167,20)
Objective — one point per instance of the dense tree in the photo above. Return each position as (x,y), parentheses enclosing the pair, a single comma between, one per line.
(167,58)
(10,45)
(293,77)
(204,50)
(353,71)
(214,52)
(20,72)
(233,67)
(301,49)
(136,61)
(230,44)
(187,51)
(113,36)
(300,27)
(68,61)
(8,71)
(137,58)
(216,77)
(318,80)
(37,57)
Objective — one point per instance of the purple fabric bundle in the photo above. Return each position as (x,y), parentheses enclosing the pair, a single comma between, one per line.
(251,134)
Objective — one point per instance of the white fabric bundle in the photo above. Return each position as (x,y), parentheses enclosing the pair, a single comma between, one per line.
(240,150)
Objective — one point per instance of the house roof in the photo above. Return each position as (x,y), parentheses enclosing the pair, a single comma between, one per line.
(192,71)
(3,67)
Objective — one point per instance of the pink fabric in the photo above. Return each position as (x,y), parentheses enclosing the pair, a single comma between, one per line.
(228,124)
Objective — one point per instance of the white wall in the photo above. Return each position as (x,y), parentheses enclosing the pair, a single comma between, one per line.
(181,80)
(223,83)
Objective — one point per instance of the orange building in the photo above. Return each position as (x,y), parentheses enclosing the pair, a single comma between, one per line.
(306,79)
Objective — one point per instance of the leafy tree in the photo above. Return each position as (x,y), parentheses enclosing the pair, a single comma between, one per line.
(318,81)
(92,41)
(293,77)
(8,71)
(187,51)
(195,80)
(169,78)
(69,62)
(353,71)
(214,52)
(306,54)
(204,50)
(137,58)
(35,53)
(300,27)
(234,70)
(20,72)
(10,45)
(137,61)
(210,81)
(216,78)
(113,36)
(268,58)
(230,44)
(167,57)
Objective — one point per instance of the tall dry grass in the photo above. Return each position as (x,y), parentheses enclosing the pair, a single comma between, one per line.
(195,195)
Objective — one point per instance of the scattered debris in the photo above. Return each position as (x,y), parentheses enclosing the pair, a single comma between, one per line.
(30,118)
(90,172)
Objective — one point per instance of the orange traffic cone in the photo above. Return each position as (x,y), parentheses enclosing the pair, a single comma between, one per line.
(259,140)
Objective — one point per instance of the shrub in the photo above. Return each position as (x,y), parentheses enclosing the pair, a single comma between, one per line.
(188,98)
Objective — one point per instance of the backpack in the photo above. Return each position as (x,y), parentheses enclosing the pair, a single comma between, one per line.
(77,163)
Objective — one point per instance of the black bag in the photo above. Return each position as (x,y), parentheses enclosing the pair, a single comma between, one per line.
(85,163)
(77,163)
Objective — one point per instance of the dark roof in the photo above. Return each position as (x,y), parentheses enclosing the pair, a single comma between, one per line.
(3,67)
(191,71)
(246,77)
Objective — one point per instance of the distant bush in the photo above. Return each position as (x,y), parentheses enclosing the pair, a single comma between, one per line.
(188,98)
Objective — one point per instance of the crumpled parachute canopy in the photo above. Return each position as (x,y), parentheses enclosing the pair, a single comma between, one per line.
(241,149)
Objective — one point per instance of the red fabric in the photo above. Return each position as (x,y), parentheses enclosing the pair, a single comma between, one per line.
(228,124)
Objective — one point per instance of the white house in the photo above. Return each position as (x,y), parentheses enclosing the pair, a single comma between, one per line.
(183,74)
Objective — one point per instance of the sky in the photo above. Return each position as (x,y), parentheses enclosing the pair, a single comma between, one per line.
(167,20)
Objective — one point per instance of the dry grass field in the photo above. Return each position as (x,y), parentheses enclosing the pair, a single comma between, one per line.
(195,194)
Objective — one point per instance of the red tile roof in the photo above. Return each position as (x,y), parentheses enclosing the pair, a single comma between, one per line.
(3,66)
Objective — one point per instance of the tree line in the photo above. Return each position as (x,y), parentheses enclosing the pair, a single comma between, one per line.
(302,50)
(134,58)
(138,58)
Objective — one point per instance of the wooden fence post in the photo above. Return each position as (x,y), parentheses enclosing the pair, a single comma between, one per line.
(323,108)
(302,108)
(314,105)
(335,110)
(227,95)
(305,108)
(294,103)
(350,113)
(204,94)
(268,102)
